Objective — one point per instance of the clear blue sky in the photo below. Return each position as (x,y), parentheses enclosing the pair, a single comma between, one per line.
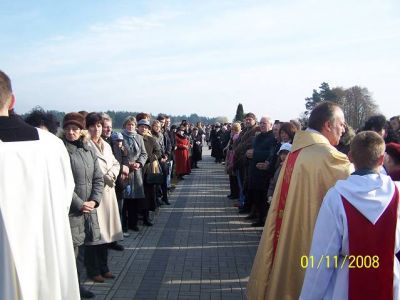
(201,57)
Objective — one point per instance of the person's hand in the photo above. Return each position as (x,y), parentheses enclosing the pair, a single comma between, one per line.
(88,206)
(124,176)
(262,165)
(136,166)
(163,160)
(249,153)
(198,143)
(125,170)
(269,199)
(108,180)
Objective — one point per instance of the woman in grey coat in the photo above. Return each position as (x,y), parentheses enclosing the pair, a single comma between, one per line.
(134,193)
(89,184)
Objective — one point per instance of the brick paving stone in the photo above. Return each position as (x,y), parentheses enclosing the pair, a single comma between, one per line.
(198,248)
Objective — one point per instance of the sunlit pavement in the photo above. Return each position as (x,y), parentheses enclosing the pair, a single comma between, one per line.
(198,248)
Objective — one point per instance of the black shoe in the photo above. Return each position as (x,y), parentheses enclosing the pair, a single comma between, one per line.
(243,211)
(229,196)
(115,246)
(86,294)
(158,201)
(251,217)
(258,224)
(166,201)
(135,228)
(147,223)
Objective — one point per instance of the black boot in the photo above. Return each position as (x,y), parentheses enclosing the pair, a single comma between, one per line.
(86,294)
(146,221)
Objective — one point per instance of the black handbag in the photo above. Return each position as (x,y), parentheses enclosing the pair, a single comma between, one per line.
(154,174)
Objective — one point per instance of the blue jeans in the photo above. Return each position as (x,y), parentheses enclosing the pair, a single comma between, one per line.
(242,197)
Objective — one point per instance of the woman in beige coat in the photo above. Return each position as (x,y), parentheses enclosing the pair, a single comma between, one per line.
(96,253)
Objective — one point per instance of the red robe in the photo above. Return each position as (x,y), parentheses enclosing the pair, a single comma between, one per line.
(182,160)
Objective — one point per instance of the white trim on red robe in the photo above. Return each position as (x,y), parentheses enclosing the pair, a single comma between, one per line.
(370,195)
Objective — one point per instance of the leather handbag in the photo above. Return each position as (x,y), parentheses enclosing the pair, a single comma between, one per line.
(154,174)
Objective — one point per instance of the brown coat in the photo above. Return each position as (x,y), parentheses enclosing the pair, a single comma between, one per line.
(243,143)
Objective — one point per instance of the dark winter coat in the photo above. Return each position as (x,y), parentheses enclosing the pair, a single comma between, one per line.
(242,144)
(217,140)
(122,156)
(153,152)
(197,147)
(89,185)
(263,150)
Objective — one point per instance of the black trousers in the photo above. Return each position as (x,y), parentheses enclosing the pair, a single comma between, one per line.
(234,186)
(258,198)
(96,259)
(130,211)
(79,261)
(164,186)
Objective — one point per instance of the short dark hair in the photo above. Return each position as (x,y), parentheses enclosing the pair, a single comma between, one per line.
(366,149)
(38,117)
(376,123)
(93,118)
(5,88)
(250,115)
(322,113)
(142,115)
(289,128)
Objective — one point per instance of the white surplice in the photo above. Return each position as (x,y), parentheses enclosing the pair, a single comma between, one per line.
(36,254)
(370,195)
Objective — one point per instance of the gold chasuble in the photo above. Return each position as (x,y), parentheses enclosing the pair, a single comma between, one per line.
(310,170)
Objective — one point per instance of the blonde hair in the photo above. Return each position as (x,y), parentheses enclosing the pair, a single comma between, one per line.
(155,122)
(366,149)
(236,127)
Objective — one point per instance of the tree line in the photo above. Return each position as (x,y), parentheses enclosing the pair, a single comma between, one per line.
(356,101)
(118,117)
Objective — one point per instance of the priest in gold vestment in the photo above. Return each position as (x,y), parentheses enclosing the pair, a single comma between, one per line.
(312,167)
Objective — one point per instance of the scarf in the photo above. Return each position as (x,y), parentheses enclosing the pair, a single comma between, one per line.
(131,140)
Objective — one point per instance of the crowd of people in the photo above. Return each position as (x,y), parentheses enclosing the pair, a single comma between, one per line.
(319,192)
(279,174)
(114,179)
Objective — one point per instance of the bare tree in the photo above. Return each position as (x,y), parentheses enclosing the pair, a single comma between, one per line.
(357,105)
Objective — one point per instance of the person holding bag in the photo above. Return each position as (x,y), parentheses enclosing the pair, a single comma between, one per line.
(154,152)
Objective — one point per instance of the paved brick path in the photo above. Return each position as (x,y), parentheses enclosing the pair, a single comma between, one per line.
(198,248)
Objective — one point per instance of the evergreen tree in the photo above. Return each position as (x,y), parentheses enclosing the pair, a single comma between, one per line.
(239,113)
(325,94)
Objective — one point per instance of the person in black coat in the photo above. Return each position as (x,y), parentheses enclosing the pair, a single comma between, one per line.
(121,154)
(197,139)
(261,170)
(217,139)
